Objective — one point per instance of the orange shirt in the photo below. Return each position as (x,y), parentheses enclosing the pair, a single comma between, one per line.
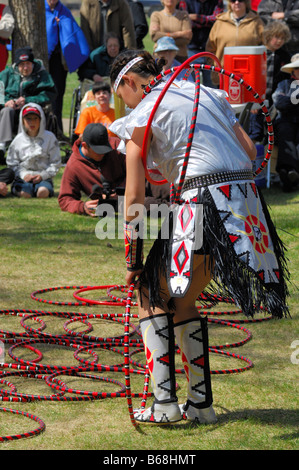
(92,114)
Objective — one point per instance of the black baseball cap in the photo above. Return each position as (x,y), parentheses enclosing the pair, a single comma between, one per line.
(95,135)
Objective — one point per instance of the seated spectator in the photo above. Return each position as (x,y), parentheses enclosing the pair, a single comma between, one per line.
(6,178)
(33,155)
(285,99)
(173,23)
(26,81)
(94,163)
(100,59)
(238,26)
(167,50)
(101,112)
(276,35)
(7,24)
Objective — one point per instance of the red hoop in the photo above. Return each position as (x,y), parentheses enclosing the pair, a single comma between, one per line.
(220,70)
(177,70)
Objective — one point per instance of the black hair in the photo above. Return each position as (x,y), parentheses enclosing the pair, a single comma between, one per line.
(101,86)
(145,68)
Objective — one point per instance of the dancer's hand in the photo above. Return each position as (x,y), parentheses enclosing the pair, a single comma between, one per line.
(131,277)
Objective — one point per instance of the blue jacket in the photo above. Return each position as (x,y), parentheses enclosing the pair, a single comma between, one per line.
(286,100)
(73,43)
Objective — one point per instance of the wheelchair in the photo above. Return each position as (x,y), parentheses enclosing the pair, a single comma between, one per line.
(76,106)
(83,97)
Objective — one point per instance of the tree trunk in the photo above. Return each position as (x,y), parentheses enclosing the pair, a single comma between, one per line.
(30,27)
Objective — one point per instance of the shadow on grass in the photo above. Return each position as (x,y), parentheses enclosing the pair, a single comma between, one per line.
(40,237)
(273,417)
(279,416)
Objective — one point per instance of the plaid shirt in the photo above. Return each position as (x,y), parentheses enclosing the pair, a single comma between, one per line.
(206,16)
(203,20)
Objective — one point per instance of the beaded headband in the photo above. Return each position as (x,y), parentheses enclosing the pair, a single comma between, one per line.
(124,71)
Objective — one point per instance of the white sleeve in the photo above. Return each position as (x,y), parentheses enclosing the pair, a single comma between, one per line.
(7,23)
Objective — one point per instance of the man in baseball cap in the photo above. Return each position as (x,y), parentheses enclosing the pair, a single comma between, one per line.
(95,168)
(95,137)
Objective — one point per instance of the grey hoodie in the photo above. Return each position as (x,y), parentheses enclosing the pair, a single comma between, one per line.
(38,155)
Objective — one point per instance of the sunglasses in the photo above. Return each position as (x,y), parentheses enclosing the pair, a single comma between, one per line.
(234,1)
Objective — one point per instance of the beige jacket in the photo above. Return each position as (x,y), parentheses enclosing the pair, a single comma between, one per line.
(119,20)
(160,25)
(226,32)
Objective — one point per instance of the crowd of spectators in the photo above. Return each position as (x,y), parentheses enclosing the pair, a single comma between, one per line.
(26,80)
(178,30)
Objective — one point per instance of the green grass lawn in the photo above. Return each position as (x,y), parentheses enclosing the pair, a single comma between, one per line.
(42,247)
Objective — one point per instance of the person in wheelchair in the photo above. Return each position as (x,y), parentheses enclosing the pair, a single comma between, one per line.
(25,81)
(100,113)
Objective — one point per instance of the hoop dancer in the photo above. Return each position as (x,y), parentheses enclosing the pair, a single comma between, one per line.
(239,251)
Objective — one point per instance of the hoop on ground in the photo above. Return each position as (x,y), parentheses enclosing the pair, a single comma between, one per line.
(35,432)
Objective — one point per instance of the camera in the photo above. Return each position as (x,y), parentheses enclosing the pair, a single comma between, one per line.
(98,191)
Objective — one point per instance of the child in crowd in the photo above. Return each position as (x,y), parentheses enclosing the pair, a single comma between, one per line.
(33,155)
(167,49)
(285,99)
(100,113)
(276,34)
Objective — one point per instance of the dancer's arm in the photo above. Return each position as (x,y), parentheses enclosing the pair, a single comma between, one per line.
(135,190)
(135,178)
(245,141)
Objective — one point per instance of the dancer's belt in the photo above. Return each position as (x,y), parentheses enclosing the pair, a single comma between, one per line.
(217,178)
